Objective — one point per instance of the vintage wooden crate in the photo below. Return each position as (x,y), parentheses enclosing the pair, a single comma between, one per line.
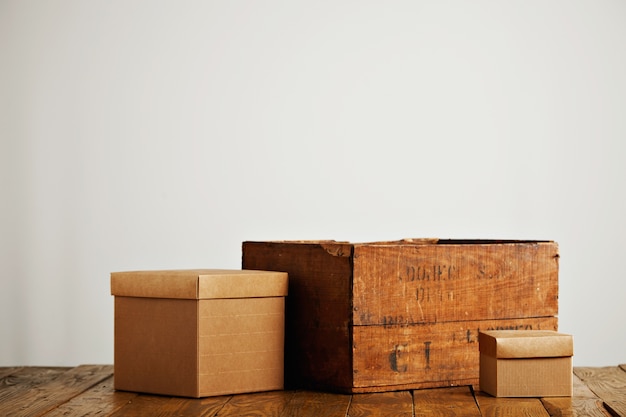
(367,317)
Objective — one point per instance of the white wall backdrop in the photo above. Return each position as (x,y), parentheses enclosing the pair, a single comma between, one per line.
(155,134)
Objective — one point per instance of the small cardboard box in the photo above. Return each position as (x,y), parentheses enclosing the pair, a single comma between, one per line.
(384,316)
(518,363)
(198,333)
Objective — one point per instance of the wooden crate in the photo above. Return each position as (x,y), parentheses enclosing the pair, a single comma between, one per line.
(367,317)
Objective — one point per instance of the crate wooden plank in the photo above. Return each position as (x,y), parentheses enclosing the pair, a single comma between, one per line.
(266,404)
(608,383)
(425,356)
(510,407)
(582,403)
(47,395)
(317,310)
(386,404)
(445,402)
(405,283)
(99,400)
(317,404)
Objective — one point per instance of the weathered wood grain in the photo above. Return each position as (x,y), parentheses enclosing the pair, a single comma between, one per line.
(608,383)
(6,371)
(391,404)
(425,356)
(56,392)
(509,407)
(100,400)
(448,402)
(45,396)
(317,404)
(317,310)
(162,406)
(22,378)
(582,403)
(16,385)
(616,408)
(406,283)
(262,404)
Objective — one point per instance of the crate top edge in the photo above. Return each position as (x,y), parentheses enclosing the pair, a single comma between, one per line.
(406,242)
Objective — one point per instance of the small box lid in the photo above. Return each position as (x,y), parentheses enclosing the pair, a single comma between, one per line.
(199,284)
(525,344)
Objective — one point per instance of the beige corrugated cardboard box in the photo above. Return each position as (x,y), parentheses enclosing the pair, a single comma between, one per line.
(526,363)
(198,333)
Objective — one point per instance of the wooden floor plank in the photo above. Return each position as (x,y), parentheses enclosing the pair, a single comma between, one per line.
(163,406)
(200,407)
(88,391)
(7,371)
(608,383)
(265,404)
(509,407)
(616,408)
(582,403)
(458,402)
(100,400)
(45,396)
(391,404)
(317,404)
(15,385)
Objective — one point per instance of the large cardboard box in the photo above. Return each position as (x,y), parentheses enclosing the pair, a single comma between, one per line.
(199,333)
(367,317)
(526,363)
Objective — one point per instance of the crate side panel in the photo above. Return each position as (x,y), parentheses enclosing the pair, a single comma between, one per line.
(426,355)
(317,310)
(406,284)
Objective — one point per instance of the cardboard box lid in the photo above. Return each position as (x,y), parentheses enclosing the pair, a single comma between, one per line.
(525,344)
(199,284)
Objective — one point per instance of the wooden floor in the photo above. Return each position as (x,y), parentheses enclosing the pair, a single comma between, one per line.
(87,391)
